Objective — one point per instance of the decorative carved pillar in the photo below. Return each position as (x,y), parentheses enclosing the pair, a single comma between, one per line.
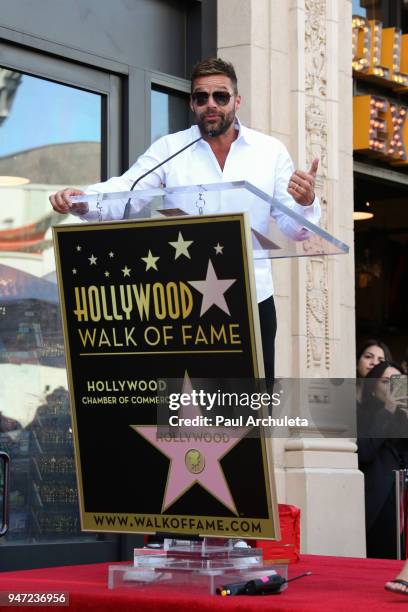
(322,475)
(293,61)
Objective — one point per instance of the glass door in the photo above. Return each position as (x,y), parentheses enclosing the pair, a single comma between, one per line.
(52,135)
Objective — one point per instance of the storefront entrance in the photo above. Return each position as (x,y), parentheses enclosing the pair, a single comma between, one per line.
(381,256)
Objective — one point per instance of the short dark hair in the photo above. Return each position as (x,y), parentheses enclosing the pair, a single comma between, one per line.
(215,65)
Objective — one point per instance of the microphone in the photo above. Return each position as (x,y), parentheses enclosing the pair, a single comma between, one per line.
(266,585)
(190,144)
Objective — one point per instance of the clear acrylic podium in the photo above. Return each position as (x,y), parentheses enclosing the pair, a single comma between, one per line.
(277,231)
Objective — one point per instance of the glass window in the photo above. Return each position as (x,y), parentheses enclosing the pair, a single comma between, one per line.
(170,112)
(50,137)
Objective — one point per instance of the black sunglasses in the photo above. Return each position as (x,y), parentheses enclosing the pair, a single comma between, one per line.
(221,98)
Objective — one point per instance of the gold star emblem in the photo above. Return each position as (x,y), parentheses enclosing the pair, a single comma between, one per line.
(150,261)
(126,271)
(92,260)
(195,461)
(218,249)
(181,246)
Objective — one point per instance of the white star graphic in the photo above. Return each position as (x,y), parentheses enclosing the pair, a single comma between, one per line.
(218,249)
(126,271)
(150,261)
(111,254)
(181,246)
(74,271)
(79,248)
(92,260)
(213,290)
(107,273)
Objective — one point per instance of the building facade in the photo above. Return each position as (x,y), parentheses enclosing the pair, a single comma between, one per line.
(88,88)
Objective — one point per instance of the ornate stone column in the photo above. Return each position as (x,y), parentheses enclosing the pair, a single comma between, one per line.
(294,66)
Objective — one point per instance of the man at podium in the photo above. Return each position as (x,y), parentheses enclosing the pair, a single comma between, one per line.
(218,148)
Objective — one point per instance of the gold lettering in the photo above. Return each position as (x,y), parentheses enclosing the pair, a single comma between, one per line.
(103,339)
(173,304)
(116,315)
(86,337)
(128,336)
(126,301)
(186,300)
(94,303)
(115,342)
(217,336)
(142,296)
(106,316)
(200,336)
(235,338)
(186,336)
(166,335)
(155,336)
(81,310)
(159,301)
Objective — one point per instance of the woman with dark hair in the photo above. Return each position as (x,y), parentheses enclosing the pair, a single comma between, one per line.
(380,419)
(370,354)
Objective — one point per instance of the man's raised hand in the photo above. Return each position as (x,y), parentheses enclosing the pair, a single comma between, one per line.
(301,185)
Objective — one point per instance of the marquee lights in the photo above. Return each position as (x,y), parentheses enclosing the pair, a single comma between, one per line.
(377,123)
(380,128)
(396,145)
(361,44)
(380,53)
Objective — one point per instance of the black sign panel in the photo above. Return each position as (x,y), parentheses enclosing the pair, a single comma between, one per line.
(142,302)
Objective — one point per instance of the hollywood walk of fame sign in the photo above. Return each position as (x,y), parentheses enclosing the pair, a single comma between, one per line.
(142,302)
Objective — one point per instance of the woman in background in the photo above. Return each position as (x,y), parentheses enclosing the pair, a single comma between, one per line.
(370,354)
(381,421)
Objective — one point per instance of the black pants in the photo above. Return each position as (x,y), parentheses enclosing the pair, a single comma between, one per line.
(267,318)
(381,537)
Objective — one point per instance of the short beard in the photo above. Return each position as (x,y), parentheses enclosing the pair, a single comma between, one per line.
(224,125)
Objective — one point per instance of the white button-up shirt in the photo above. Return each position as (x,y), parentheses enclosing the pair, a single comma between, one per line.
(255,157)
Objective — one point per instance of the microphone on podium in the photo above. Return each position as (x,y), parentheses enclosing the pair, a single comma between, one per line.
(190,144)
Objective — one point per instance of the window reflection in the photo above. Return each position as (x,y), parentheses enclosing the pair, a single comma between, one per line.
(169,113)
(50,134)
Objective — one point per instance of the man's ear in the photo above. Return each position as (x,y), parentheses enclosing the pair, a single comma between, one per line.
(237,102)
(191,105)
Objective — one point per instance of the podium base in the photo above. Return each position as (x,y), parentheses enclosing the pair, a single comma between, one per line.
(206,566)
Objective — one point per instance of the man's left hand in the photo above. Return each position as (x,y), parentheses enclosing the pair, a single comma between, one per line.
(301,185)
